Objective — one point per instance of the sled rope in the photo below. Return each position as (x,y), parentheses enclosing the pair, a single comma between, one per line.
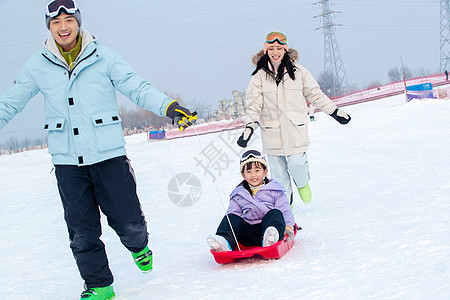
(217,189)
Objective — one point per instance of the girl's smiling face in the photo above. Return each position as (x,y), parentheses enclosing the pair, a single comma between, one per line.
(254,174)
(276,53)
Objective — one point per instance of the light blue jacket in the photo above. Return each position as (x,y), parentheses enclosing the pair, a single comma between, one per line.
(80,105)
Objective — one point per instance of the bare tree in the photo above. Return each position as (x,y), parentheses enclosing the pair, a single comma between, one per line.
(25,143)
(327,84)
(425,71)
(141,118)
(175,96)
(353,87)
(396,73)
(408,73)
(194,105)
(39,141)
(12,143)
(373,84)
(148,118)
(200,107)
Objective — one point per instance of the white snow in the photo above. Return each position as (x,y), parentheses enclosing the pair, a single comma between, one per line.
(378,226)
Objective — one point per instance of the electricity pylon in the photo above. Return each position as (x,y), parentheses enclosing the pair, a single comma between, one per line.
(445,35)
(332,60)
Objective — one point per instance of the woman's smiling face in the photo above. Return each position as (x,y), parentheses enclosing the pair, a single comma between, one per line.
(276,53)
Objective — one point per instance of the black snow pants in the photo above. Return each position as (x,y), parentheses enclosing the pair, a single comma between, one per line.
(110,186)
(251,235)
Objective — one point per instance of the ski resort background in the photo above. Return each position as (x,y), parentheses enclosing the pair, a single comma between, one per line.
(377,228)
(436,84)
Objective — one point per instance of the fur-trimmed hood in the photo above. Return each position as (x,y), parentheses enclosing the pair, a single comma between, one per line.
(293,54)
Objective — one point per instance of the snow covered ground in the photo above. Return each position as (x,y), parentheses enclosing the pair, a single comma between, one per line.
(378,226)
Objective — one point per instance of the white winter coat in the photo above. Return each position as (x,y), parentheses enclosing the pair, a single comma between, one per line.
(281,109)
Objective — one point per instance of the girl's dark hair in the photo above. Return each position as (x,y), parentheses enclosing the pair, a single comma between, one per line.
(286,62)
(249,165)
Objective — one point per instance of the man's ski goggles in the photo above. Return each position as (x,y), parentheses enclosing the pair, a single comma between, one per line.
(54,7)
(251,153)
(276,36)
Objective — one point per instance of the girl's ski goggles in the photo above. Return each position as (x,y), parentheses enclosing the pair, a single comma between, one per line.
(276,36)
(54,7)
(251,153)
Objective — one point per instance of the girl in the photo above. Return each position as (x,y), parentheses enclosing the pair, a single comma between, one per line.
(276,97)
(259,211)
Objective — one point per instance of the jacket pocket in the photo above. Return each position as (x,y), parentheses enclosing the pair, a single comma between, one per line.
(290,84)
(271,135)
(269,89)
(295,101)
(298,130)
(108,130)
(58,139)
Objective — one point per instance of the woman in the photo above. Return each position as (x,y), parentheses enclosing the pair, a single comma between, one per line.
(276,100)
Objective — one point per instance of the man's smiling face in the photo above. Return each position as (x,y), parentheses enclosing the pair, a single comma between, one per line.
(64,29)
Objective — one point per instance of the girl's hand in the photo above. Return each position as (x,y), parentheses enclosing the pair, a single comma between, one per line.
(289,231)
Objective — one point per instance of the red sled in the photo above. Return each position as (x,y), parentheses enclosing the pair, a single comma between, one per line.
(271,252)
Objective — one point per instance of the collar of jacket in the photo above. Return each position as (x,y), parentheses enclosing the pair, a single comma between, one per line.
(293,55)
(240,189)
(86,40)
(274,75)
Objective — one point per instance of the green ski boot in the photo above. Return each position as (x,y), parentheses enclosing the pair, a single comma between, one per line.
(100,293)
(144,260)
(305,193)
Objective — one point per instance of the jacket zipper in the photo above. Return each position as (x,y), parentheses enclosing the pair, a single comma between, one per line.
(62,66)
(70,71)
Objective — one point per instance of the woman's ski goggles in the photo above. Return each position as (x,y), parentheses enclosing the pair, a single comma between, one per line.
(54,7)
(276,36)
(251,153)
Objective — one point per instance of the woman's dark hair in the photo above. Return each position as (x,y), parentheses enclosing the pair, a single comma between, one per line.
(286,62)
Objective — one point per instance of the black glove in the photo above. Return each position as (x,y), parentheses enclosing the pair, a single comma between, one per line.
(340,116)
(180,116)
(247,134)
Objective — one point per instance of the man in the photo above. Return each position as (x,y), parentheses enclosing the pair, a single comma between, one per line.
(77,77)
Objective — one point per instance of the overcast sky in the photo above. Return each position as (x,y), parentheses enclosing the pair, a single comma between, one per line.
(201,49)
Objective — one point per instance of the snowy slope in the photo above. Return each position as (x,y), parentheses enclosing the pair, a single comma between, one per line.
(378,226)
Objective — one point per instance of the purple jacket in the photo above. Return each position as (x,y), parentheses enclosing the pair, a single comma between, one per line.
(252,210)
